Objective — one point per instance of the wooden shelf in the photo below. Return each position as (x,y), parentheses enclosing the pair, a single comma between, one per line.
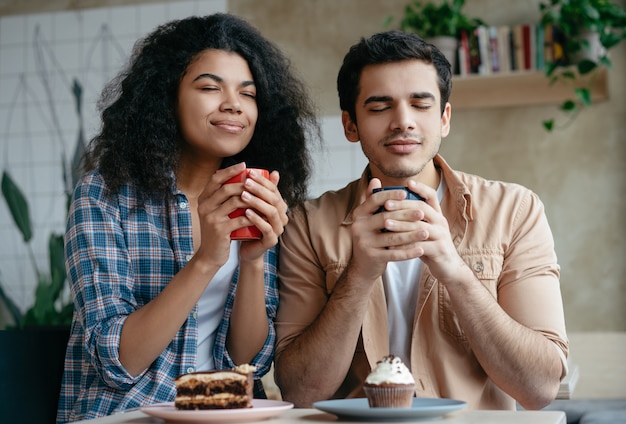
(517,89)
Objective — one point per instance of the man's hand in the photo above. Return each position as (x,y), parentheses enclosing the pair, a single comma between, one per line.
(433,241)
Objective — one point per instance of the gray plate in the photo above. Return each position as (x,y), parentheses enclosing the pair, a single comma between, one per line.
(359,408)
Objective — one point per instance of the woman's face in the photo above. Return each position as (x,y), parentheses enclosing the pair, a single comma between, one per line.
(217,106)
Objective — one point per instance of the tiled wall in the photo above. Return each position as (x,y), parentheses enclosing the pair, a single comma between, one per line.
(339,162)
(40,56)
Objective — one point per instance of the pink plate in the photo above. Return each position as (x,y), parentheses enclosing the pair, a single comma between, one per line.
(261,409)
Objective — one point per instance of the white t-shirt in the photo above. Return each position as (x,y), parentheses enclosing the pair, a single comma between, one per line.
(401,287)
(401,283)
(211,308)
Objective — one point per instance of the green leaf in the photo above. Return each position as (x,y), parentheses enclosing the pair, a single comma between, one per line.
(43,308)
(57,265)
(591,12)
(604,60)
(75,165)
(550,68)
(16,314)
(387,21)
(66,313)
(548,125)
(585,66)
(77,91)
(49,289)
(584,95)
(568,106)
(18,206)
(71,175)
(610,39)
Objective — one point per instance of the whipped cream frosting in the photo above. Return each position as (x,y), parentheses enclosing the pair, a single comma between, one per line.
(390,369)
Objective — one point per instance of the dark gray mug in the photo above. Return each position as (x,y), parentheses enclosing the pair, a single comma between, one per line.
(409,194)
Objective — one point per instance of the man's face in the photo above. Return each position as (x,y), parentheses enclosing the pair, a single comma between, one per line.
(398,119)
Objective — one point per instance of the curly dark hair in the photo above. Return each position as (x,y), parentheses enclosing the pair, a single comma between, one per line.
(139,141)
(384,47)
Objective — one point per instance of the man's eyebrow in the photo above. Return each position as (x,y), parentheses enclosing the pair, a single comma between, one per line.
(423,95)
(420,95)
(374,99)
(217,78)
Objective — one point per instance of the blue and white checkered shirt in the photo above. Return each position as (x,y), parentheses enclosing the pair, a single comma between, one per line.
(120,254)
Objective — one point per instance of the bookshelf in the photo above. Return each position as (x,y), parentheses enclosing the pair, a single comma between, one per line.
(517,88)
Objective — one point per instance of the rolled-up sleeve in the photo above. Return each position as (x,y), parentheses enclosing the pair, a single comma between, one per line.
(101,280)
(529,289)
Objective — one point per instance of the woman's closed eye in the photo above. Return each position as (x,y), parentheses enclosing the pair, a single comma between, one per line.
(250,94)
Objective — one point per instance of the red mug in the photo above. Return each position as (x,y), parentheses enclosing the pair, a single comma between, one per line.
(251,232)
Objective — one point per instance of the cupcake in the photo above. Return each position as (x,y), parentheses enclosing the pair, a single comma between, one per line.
(390,384)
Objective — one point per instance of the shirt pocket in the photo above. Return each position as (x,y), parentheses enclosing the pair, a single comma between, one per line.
(487,267)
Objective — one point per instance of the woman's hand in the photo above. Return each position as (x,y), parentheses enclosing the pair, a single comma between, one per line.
(265,209)
(215,203)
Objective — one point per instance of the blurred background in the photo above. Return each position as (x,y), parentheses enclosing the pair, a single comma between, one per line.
(578,171)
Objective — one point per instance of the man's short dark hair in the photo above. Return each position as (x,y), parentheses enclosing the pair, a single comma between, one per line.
(386,47)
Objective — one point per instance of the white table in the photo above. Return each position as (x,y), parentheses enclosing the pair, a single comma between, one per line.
(312,416)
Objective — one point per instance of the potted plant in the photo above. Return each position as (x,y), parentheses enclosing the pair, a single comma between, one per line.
(587,29)
(439,23)
(48,308)
(33,347)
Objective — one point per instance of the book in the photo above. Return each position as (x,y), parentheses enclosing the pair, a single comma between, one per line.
(483,50)
(527,46)
(494,57)
(512,52)
(518,47)
(548,44)
(475,59)
(464,54)
(539,47)
(508,48)
(504,48)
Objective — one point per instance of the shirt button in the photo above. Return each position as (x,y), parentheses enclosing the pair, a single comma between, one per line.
(478,267)
(188,257)
(183,205)
(190,369)
(195,315)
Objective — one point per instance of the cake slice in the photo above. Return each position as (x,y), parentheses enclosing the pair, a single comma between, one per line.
(223,389)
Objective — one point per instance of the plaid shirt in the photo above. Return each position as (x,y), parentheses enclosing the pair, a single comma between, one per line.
(120,254)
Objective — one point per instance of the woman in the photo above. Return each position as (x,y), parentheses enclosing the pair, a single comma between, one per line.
(159,288)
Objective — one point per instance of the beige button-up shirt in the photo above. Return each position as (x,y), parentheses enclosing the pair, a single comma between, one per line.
(499,229)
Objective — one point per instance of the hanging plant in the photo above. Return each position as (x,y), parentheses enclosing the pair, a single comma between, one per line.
(585,30)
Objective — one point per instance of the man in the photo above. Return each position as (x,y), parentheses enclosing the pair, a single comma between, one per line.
(463,286)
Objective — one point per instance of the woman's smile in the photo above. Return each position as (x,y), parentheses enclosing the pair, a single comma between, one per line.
(234,127)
